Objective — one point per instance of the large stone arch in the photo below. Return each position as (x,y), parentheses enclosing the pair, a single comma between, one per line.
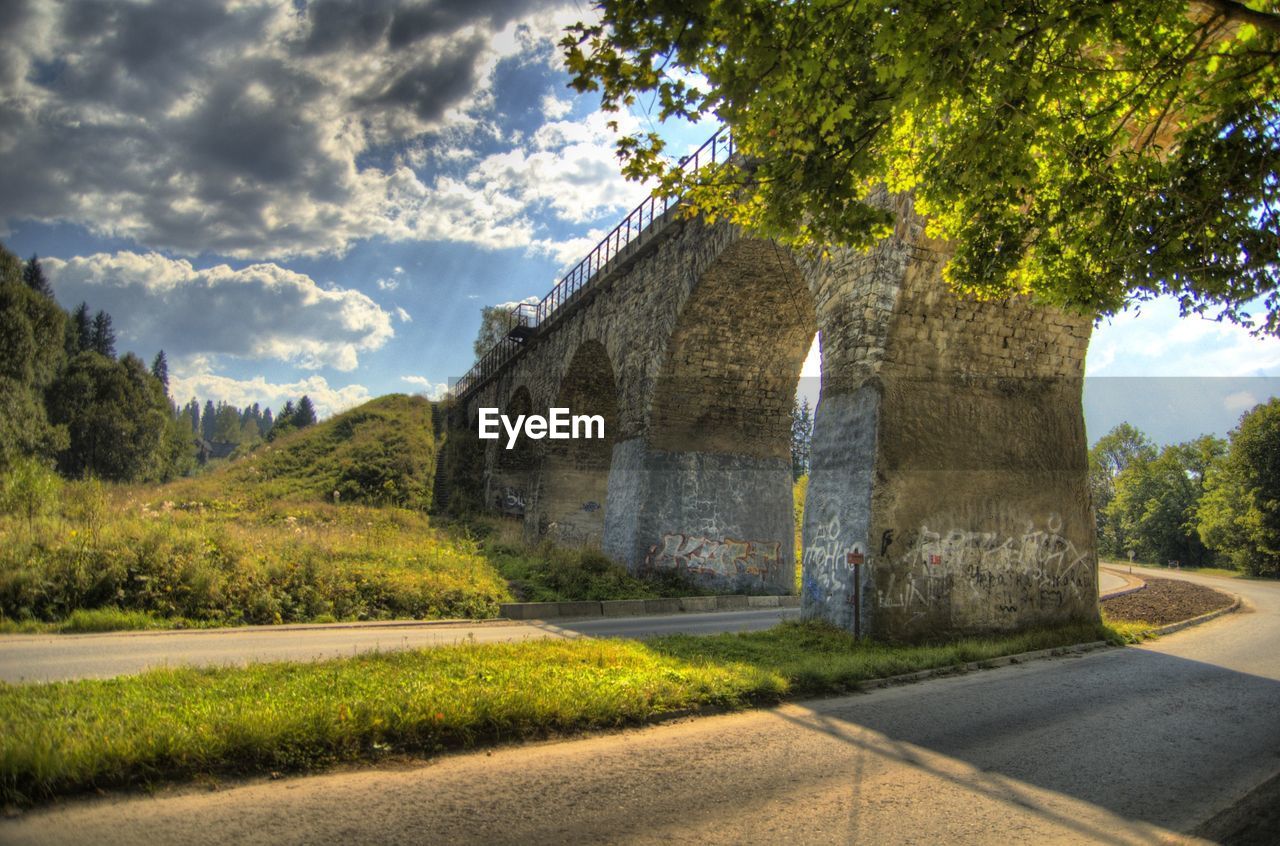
(573,494)
(707,492)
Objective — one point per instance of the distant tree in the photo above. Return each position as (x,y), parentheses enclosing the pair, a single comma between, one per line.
(33,275)
(103,338)
(267,420)
(117,417)
(192,410)
(80,332)
(160,369)
(1157,500)
(493,328)
(1108,458)
(801,438)
(305,414)
(207,420)
(1240,514)
(226,427)
(283,424)
(28,364)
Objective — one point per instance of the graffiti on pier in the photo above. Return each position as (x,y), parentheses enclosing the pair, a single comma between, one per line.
(510,503)
(823,559)
(1039,568)
(706,556)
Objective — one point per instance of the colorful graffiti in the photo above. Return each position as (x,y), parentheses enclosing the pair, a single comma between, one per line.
(727,558)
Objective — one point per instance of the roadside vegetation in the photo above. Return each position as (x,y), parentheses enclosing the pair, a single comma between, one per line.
(545,572)
(1207,503)
(169,724)
(327,523)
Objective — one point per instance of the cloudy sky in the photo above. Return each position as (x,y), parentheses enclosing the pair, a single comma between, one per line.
(317,197)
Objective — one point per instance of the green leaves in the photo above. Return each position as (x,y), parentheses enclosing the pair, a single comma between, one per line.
(1087,152)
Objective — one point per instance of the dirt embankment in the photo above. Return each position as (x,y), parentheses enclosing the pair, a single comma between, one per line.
(1165,601)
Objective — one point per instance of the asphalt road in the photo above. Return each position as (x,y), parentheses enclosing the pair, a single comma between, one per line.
(41,658)
(1120,746)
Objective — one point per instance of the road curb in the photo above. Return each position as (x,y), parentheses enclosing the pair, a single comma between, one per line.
(1236,604)
(1133,584)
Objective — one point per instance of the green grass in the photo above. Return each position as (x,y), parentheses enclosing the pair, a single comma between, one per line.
(62,738)
(231,563)
(86,620)
(381,452)
(548,573)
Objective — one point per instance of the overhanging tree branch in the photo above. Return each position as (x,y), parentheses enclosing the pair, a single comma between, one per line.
(1234,10)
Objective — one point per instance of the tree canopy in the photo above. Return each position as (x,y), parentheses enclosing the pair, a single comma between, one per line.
(1084,151)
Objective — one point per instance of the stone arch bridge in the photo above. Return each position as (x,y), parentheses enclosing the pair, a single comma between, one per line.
(947,489)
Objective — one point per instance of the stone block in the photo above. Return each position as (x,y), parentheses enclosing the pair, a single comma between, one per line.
(661,606)
(731,603)
(529,610)
(579,609)
(763,601)
(698,603)
(623,607)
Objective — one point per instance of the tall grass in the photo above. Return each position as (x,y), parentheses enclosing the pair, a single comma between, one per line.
(230,562)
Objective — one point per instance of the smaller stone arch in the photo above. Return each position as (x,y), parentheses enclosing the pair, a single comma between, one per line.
(512,480)
(575,472)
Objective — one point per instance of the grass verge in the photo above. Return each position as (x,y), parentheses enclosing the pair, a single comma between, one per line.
(62,738)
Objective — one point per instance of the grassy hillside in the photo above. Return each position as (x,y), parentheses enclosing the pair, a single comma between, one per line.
(257,541)
(382,452)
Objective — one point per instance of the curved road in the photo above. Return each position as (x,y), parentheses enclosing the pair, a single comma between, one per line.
(1120,746)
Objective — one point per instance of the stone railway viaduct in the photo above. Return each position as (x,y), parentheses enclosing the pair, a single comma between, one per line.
(947,491)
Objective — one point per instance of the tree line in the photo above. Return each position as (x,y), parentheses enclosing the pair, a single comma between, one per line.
(1206,502)
(68,400)
(246,427)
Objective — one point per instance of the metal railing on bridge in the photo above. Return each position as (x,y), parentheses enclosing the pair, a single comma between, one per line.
(525,319)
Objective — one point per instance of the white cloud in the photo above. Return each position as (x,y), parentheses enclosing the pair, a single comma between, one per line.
(431,390)
(553,107)
(1157,342)
(195,377)
(241,129)
(388,284)
(403,315)
(260,312)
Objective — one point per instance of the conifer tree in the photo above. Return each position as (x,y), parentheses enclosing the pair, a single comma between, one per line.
(33,275)
(103,338)
(160,369)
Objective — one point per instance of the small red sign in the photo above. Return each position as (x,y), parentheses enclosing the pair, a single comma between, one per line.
(855,558)
(935,560)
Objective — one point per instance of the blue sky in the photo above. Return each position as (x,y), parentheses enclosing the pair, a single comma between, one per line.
(318,198)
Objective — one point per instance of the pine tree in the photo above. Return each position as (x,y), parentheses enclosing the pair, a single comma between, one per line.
(193,415)
(160,369)
(267,420)
(305,415)
(33,275)
(103,339)
(80,334)
(207,419)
